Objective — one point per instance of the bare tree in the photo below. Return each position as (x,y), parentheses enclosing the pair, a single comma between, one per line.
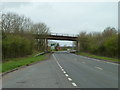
(42,31)
(13,23)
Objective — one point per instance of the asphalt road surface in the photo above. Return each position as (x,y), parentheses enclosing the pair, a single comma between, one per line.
(65,70)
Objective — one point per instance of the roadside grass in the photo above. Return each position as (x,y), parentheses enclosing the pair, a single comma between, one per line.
(17,62)
(99,57)
(0,67)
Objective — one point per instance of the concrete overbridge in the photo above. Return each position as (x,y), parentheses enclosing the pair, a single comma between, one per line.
(62,37)
(58,36)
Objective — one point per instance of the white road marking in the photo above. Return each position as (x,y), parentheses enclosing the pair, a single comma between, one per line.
(99,68)
(104,61)
(111,63)
(64,72)
(60,67)
(66,75)
(69,79)
(57,61)
(98,60)
(74,84)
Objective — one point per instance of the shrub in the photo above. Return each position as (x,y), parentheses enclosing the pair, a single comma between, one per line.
(16,46)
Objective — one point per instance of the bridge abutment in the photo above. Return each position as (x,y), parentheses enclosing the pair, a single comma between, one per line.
(46,45)
(78,46)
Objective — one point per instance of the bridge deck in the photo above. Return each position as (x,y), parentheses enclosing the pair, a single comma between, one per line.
(59,37)
(56,37)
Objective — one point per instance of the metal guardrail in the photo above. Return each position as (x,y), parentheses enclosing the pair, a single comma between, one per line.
(61,34)
(42,53)
(39,54)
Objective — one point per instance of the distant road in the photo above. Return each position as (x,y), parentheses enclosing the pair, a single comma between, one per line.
(65,70)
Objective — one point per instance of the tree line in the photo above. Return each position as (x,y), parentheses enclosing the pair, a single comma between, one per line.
(18,35)
(100,43)
(18,38)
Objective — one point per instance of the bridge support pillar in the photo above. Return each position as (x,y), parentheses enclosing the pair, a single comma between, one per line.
(78,46)
(46,45)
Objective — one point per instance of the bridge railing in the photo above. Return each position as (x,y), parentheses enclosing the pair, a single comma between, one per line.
(61,34)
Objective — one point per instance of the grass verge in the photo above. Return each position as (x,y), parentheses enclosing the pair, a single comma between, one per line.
(17,62)
(99,57)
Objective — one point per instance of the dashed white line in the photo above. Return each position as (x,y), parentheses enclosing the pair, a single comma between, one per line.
(64,72)
(66,75)
(60,67)
(69,79)
(74,84)
(99,68)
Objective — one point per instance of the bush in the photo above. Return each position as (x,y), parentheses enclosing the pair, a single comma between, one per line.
(16,46)
(104,44)
(111,46)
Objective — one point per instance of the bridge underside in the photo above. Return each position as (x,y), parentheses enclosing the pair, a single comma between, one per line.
(52,37)
(57,37)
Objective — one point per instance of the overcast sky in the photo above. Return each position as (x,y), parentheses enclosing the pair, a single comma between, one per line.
(69,17)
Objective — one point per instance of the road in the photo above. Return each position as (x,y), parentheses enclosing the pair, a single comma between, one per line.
(65,70)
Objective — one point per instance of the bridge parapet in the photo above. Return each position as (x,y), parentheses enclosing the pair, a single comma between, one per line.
(61,34)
